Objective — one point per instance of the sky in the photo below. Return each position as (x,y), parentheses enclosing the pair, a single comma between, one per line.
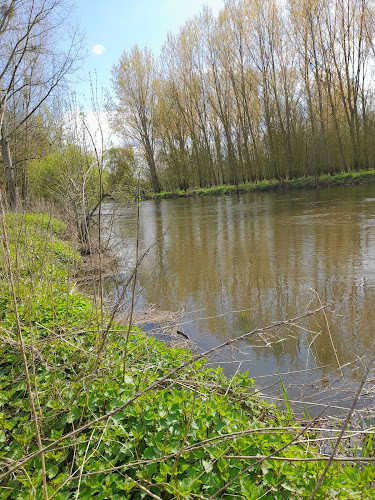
(113,26)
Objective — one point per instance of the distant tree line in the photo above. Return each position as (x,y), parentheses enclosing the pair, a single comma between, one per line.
(262,91)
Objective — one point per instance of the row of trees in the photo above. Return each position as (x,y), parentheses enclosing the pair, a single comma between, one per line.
(265,90)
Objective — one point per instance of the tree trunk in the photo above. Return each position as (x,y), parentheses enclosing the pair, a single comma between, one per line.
(9,171)
(154,176)
(151,164)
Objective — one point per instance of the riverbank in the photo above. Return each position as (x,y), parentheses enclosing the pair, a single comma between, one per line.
(82,419)
(308,182)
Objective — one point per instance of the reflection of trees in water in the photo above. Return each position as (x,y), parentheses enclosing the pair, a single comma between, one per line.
(264,253)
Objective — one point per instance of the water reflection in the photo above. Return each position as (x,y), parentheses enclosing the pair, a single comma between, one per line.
(263,254)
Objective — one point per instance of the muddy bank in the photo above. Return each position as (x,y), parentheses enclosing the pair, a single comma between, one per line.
(165,326)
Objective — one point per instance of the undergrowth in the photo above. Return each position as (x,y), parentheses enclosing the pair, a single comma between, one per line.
(195,434)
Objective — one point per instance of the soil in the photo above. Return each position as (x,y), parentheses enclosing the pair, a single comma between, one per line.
(165,326)
(92,263)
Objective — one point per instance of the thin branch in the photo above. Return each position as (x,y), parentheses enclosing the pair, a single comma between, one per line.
(157,383)
(343,429)
(22,346)
(134,284)
(260,460)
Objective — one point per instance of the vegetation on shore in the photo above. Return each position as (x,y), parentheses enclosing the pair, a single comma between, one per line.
(90,408)
(261,90)
(159,425)
(307,182)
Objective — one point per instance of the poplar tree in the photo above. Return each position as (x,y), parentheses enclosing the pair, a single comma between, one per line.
(135,80)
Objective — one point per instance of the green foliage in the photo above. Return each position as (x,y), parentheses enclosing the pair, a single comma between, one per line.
(285,394)
(34,222)
(174,440)
(307,182)
(61,177)
(120,168)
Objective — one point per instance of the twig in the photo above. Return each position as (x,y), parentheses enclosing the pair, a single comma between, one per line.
(266,457)
(152,386)
(330,335)
(22,346)
(134,285)
(301,459)
(142,487)
(83,464)
(343,428)
(28,347)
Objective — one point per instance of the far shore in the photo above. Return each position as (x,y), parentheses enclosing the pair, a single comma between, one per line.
(307,182)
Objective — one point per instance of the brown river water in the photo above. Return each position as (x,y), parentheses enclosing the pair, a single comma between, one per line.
(240,263)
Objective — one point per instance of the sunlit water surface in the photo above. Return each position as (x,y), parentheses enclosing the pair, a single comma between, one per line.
(240,263)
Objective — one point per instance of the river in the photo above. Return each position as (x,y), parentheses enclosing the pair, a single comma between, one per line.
(240,263)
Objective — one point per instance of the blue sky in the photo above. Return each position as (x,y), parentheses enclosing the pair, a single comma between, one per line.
(114,25)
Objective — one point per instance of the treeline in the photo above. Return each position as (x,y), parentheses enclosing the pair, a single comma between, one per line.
(262,91)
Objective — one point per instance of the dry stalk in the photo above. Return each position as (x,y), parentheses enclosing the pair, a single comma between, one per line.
(143,488)
(80,469)
(301,459)
(227,437)
(260,460)
(117,307)
(99,164)
(134,284)
(28,347)
(343,429)
(22,346)
(83,464)
(154,385)
(330,334)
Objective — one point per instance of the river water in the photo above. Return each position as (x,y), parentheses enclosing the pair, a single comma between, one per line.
(240,263)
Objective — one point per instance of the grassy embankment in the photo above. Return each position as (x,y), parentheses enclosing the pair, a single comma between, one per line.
(308,182)
(159,430)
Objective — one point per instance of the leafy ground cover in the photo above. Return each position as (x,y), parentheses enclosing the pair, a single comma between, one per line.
(306,182)
(165,427)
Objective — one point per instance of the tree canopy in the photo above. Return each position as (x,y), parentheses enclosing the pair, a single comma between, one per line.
(265,90)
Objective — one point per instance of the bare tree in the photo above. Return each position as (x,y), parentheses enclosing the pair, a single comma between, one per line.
(31,66)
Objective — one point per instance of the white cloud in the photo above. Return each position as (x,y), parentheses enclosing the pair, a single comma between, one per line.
(98,49)
(89,129)
(99,127)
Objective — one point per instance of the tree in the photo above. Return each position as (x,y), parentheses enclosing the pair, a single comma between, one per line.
(73,175)
(68,178)
(267,89)
(119,164)
(134,81)
(31,66)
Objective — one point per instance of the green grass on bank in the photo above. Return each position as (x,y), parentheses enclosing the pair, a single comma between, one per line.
(186,438)
(308,182)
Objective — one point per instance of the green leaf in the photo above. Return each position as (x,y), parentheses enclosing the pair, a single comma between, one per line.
(208,466)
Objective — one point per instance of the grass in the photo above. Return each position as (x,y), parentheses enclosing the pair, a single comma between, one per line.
(307,182)
(170,428)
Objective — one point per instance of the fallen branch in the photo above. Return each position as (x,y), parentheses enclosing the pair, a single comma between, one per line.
(155,384)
